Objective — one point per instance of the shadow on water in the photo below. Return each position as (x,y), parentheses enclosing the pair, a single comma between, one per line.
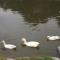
(34,12)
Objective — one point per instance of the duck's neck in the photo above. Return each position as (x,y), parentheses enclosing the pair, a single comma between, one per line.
(4,43)
(25,42)
(48,36)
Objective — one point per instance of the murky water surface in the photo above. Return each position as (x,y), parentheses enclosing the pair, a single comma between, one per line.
(32,19)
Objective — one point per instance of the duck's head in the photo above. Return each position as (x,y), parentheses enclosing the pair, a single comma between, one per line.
(23,39)
(3,41)
(48,36)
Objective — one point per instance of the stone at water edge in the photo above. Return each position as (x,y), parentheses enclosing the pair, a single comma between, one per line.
(10,59)
(55,58)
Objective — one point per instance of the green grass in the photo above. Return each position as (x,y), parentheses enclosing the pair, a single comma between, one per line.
(2,58)
(47,58)
(29,58)
(34,58)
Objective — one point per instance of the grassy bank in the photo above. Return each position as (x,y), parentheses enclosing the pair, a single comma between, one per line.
(27,58)
(34,58)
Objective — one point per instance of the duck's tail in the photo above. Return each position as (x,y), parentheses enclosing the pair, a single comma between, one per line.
(59,37)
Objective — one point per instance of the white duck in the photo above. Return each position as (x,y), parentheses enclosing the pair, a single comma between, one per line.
(31,43)
(8,46)
(53,37)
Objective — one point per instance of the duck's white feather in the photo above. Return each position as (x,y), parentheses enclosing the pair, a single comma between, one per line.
(53,37)
(9,46)
(30,43)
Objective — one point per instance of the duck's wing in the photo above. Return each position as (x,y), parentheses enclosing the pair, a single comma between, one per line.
(32,43)
(10,46)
